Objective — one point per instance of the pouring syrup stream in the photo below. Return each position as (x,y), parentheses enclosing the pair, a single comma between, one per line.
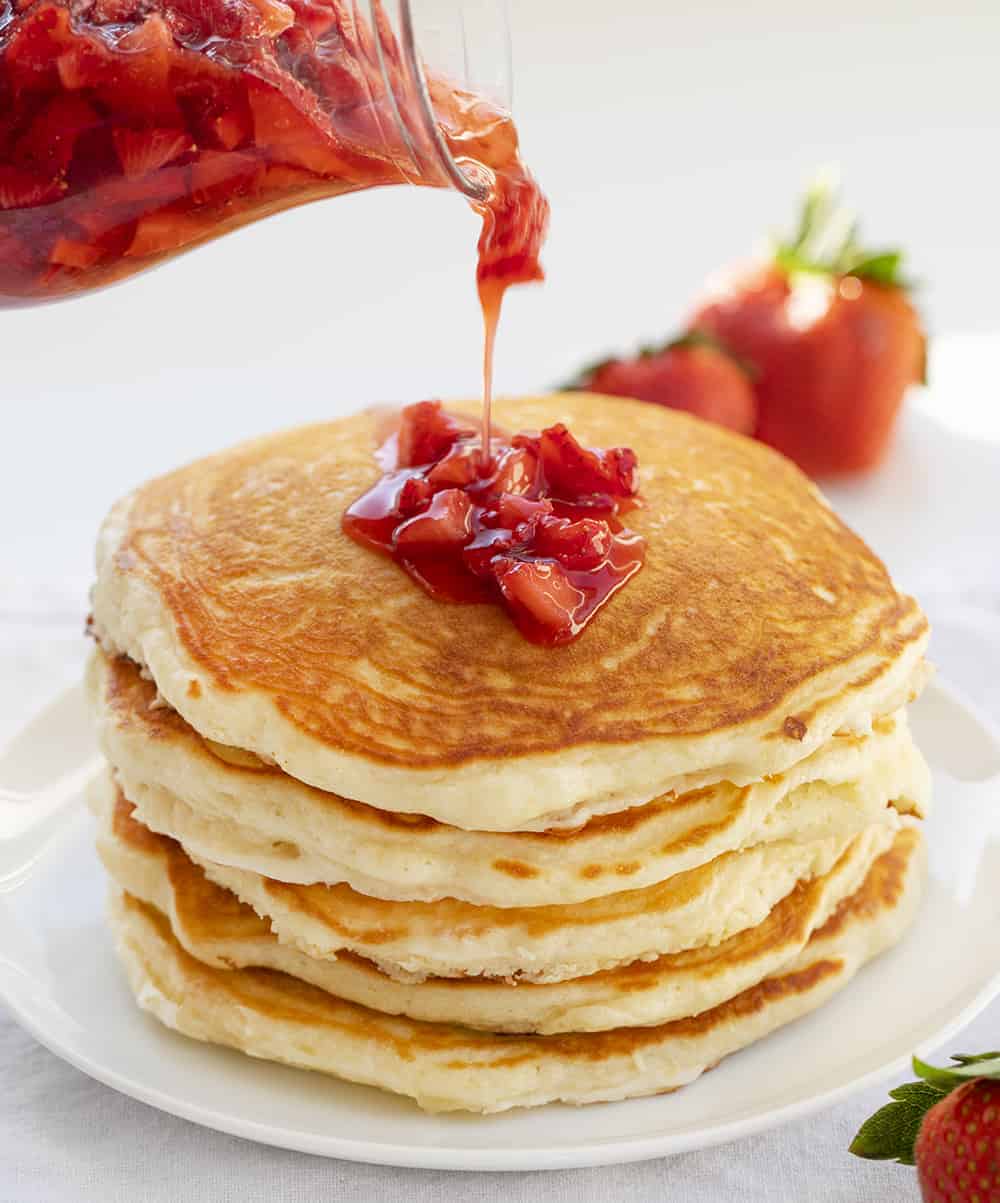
(490,299)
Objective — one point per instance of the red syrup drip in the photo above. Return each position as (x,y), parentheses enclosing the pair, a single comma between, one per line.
(515,221)
(534,526)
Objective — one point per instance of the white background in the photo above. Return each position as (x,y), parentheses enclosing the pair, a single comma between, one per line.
(669,136)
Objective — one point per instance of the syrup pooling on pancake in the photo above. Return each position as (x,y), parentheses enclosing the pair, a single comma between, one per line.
(532,523)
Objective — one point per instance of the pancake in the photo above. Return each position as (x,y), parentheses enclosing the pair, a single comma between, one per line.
(413,940)
(255,817)
(443,1067)
(758,627)
(214,927)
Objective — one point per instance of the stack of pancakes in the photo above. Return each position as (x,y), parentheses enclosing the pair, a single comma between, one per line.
(357,830)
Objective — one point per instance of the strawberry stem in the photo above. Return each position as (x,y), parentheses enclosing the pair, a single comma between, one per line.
(827,241)
(891,1133)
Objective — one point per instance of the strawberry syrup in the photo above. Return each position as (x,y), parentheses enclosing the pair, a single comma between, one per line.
(534,527)
(490,300)
(515,222)
(530,523)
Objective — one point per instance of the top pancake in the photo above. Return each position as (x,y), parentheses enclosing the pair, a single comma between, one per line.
(758,626)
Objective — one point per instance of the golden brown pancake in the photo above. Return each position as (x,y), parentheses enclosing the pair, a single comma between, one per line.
(449,938)
(759,625)
(255,817)
(213,929)
(445,1067)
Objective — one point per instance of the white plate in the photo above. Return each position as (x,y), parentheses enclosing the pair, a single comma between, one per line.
(59,976)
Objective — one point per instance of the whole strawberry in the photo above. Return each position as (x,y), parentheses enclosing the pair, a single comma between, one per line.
(948,1125)
(832,336)
(692,373)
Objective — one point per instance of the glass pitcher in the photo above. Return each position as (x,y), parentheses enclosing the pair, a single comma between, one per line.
(132,130)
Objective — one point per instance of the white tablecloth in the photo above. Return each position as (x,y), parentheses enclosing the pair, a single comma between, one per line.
(932,513)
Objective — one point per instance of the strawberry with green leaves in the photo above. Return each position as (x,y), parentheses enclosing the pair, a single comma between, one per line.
(948,1125)
(832,336)
(692,373)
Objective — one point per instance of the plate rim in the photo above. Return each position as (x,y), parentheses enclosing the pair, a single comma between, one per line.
(500,1159)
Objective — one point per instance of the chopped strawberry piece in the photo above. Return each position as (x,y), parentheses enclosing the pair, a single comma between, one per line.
(575,472)
(427,434)
(81,67)
(164,231)
(517,471)
(231,129)
(415,496)
(445,523)
(541,593)
(513,510)
(458,468)
(196,21)
(291,135)
(143,85)
(513,230)
(144,151)
(68,253)
(275,17)
(115,12)
(49,141)
(480,554)
(217,176)
(314,16)
(583,544)
(22,189)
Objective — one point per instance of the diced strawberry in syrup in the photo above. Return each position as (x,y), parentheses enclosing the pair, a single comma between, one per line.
(164,231)
(144,151)
(583,544)
(79,68)
(551,560)
(414,496)
(517,471)
(513,510)
(275,17)
(426,434)
(20,189)
(480,555)
(542,593)
(290,136)
(220,175)
(48,143)
(459,467)
(575,472)
(68,253)
(230,129)
(445,524)
(115,12)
